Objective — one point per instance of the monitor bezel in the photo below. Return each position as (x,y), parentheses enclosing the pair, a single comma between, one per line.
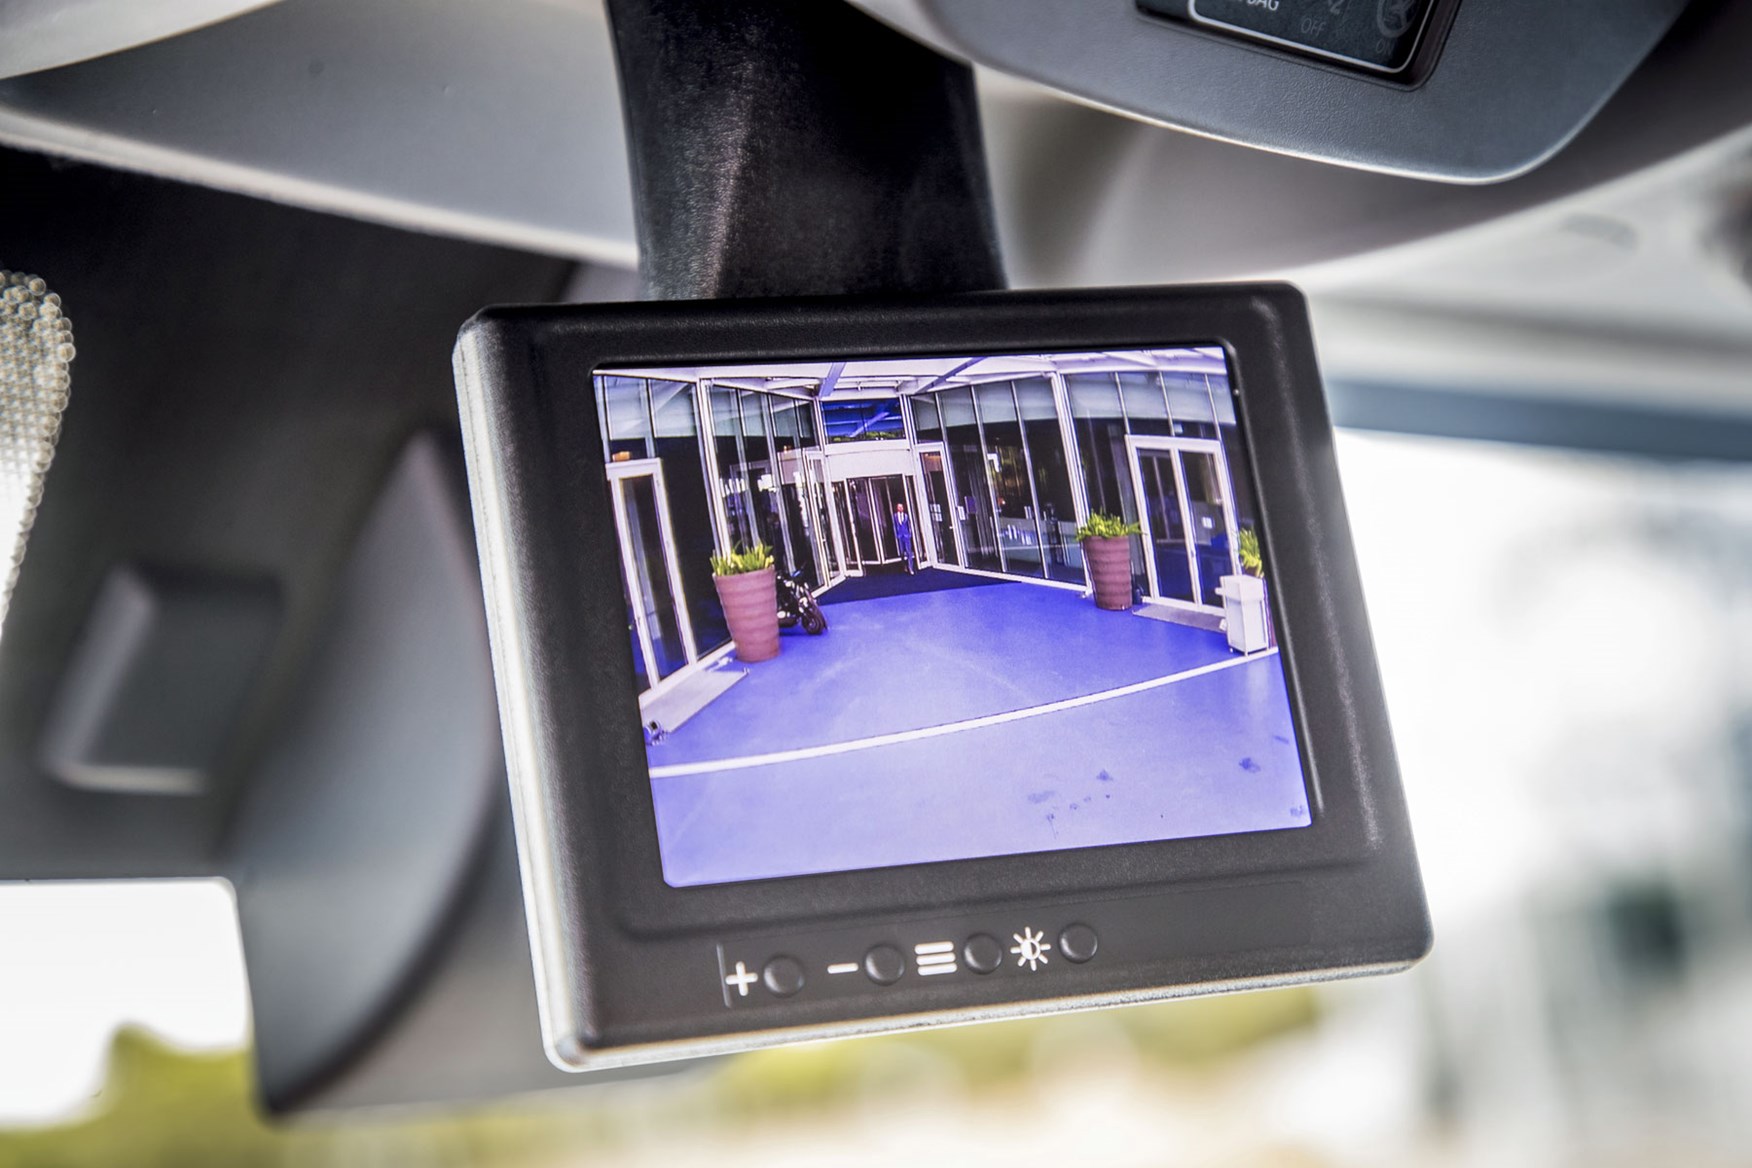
(566,694)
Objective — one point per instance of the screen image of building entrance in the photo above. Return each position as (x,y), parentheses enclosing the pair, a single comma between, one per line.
(906,610)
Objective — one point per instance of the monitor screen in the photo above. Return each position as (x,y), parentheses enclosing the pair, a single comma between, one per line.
(901,611)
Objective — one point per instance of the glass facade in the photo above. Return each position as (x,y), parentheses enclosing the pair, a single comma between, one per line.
(1179,409)
(759,445)
(997,477)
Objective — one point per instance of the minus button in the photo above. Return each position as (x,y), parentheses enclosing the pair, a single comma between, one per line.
(844,967)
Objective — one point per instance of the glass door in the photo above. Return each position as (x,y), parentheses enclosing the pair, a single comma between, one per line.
(1188,517)
(826,532)
(1164,522)
(661,633)
(872,500)
(1209,522)
(866,523)
(940,514)
(844,527)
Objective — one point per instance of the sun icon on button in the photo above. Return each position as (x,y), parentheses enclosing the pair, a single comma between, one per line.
(1030,948)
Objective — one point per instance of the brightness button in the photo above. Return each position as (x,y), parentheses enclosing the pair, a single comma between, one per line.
(1078,943)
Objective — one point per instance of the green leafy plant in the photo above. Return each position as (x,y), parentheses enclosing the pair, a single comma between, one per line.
(1252,562)
(1104,526)
(741,560)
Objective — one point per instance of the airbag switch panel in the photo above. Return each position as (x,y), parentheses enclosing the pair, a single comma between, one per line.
(1381,36)
(869,664)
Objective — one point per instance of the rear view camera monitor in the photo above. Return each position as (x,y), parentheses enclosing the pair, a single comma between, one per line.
(904,610)
(871,664)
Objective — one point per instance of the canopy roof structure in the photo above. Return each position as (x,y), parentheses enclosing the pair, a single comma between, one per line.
(910,375)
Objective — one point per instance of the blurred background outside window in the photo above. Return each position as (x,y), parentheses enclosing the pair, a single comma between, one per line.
(1562,636)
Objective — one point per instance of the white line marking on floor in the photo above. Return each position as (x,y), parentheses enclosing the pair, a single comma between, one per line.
(712,766)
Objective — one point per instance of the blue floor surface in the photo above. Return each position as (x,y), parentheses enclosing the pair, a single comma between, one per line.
(907,662)
(1211,755)
(1206,755)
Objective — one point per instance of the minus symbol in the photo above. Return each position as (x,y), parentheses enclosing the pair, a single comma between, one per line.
(843,967)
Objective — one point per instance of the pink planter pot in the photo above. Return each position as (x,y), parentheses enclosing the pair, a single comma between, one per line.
(751,609)
(1109,560)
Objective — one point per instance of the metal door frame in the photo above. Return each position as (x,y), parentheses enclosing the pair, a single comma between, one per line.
(879,521)
(618,473)
(815,478)
(941,450)
(1135,446)
(840,502)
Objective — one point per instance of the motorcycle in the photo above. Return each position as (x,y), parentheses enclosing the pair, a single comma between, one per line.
(797,605)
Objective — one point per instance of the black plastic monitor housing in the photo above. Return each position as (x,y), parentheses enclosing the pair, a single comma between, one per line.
(631,970)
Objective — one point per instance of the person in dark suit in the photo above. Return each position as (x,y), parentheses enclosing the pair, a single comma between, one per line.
(903,538)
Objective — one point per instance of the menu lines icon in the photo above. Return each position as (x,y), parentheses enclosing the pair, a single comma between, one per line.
(935,957)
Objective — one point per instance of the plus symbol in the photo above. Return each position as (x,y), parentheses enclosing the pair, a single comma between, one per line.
(742,979)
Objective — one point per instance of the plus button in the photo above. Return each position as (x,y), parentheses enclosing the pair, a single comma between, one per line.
(742,979)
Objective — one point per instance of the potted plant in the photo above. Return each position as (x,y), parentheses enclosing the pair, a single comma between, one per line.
(1107,548)
(1247,616)
(746,589)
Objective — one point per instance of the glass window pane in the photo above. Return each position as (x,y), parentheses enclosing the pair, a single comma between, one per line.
(1034,396)
(1208,522)
(762,482)
(1240,476)
(1166,522)
(732,475)
(672,408)
(821,511)
(938,508)
(625,416)
(690,508)
(653,595)
(1018,539)
(754,427)
(1100,430)
(1146,409)
(800,521)
(926,425)
(1052,480)
(1222,397)
(1189,401)
(967,466)
(862,420)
